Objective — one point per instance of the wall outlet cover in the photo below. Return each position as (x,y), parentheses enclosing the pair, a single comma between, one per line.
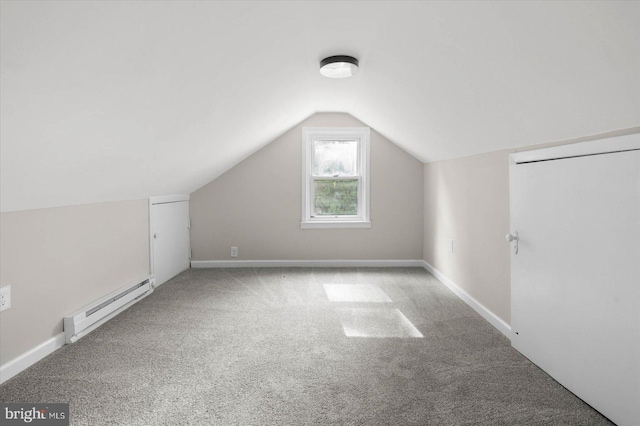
(5,298)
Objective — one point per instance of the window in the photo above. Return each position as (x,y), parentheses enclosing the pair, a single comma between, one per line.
(335,173)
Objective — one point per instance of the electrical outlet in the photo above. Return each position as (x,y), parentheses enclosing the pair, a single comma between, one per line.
(451,246)
(234,251)
(5,298)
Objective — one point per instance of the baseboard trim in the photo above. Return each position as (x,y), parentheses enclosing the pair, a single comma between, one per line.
(485,313)
(27,359)
(305,263)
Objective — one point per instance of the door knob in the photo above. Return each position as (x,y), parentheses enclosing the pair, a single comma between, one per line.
(155,235)
(511,238)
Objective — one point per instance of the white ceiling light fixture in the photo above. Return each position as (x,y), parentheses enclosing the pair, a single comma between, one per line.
(339,66)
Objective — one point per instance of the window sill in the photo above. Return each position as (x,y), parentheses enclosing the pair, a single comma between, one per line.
(327,224)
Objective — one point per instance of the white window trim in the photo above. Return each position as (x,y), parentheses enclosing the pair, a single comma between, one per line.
(362,220)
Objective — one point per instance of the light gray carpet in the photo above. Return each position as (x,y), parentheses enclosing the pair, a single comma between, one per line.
(266,346)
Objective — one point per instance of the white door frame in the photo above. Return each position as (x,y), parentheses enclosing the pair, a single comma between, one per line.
(163,199)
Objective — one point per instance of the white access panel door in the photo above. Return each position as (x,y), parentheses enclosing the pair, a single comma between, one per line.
(575,283)
(169,233)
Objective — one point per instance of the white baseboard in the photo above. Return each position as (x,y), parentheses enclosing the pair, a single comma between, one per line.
(27,359)
(485,313)
(304,263)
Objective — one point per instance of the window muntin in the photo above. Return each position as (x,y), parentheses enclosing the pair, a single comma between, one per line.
(335,177)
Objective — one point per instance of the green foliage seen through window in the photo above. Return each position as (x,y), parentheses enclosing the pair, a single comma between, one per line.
(336,197)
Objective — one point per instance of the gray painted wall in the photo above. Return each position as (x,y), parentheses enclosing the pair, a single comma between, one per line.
(467,200)
(58,260)
(256,206)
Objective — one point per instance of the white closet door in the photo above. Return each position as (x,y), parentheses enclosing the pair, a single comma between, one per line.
(576,277)
(169,239)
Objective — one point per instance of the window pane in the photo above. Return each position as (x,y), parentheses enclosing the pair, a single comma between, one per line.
(335,197)
(335,158)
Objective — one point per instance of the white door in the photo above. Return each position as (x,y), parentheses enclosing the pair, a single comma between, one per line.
(575,286)
(169,234)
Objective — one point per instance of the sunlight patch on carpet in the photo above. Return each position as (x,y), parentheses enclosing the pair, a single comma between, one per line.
(368,293)
(376,322)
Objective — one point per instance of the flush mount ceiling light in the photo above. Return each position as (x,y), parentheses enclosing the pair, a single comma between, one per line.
(339,66)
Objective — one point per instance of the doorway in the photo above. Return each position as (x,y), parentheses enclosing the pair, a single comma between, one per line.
(169,244)
(575,219)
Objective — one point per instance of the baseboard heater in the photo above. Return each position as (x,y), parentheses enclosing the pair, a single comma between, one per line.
(91,317)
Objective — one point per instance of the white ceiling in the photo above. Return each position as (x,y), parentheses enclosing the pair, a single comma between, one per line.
(105,101)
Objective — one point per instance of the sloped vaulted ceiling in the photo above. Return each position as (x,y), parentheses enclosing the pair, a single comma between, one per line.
(105,101)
